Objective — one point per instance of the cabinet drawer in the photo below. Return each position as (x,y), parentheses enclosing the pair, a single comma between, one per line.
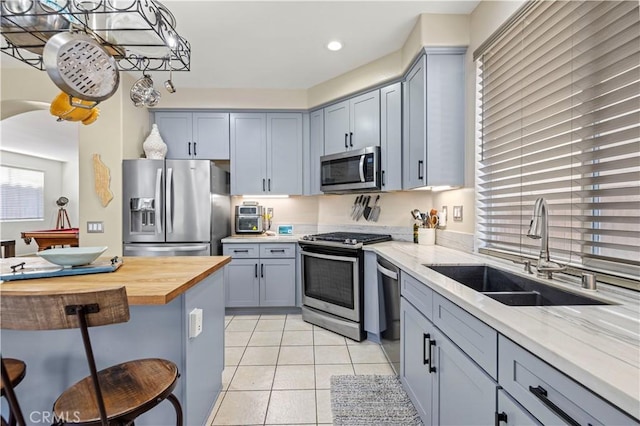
(240,251)
(474,337)
(417,293)
(278,250)
(548,394)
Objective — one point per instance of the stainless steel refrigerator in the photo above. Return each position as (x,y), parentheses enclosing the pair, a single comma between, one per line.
(174,208)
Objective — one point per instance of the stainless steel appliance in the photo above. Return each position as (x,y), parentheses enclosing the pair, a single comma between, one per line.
(388,281)
(357,170)
(333,278)
(174,208)
(249,219)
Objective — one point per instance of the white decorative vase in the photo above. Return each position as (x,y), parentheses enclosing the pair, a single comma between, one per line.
(154,147)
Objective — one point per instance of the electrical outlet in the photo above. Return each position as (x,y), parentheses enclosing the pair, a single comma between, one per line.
(195,323)
(270,211)
(95,228)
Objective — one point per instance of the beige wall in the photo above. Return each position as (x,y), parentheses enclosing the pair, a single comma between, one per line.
(235,98)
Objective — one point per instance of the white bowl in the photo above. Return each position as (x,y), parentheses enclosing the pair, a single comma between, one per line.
(72,256)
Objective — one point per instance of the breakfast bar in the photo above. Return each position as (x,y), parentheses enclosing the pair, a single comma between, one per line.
(162,292)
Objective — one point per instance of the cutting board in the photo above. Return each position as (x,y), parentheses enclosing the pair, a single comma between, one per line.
(40,268)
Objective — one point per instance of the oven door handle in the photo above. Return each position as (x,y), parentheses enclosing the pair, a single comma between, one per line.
(329,257)
(388,272)
(361,168)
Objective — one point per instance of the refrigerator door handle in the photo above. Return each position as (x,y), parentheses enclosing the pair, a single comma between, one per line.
(169,248)
(169,200)
(158,203)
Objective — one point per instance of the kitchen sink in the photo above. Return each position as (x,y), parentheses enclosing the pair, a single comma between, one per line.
(511,289)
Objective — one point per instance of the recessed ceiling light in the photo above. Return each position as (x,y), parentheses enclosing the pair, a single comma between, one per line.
(334,45)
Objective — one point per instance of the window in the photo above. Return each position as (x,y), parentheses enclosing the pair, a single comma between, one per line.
(559,118)
(21,194)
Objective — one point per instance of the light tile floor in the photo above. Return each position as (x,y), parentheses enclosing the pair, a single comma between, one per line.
(278,370)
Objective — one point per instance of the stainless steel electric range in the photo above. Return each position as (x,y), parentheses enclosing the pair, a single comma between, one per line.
(333,280)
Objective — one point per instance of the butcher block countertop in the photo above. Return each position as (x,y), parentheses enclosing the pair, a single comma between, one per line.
(148,280)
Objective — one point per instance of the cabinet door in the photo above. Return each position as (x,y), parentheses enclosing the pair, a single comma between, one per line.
(176,131)
(391,137)
(336,128)
(316,150)
(458,379)
(241,280)
(414,126)
(511,413)
(211,135)
(445,113)
(284,154)
(364,120)
(415,331)
(248,154)
(277,282)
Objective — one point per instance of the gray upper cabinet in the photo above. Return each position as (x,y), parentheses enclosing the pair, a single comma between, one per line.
(353,123)
(316,150)
(284,154)
(194,135)
(248,153)
(266,153)
(391,137)
(434,120)
(336,128)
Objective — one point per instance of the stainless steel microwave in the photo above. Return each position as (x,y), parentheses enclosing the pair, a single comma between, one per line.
(356,170)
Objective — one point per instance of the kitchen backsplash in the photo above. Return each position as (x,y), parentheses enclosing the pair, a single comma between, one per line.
(325,213)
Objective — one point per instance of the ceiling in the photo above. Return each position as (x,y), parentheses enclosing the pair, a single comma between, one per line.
(282,45)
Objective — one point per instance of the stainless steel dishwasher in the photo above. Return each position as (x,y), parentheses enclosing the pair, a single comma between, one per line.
(389,287)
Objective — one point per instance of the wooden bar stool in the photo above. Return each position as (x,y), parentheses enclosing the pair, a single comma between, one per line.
(13,371)
(114,396)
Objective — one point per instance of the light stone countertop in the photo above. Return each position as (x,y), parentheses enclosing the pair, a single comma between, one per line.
(598,346)
(262,238)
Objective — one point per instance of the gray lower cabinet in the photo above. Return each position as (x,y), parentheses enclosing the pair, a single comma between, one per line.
(391,137)
(444,383)
(260,275)
(266,153)
(511,413)
(433,100)
(548,394)
(194,135)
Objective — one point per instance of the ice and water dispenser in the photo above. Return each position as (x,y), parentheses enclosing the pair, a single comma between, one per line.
(143,215)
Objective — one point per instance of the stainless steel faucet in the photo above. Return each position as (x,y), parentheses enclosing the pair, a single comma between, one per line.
(539,230)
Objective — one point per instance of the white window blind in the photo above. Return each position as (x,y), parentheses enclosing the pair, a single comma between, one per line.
(21,194)
(559,118)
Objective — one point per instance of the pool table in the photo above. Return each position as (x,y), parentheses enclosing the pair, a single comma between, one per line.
(52,237)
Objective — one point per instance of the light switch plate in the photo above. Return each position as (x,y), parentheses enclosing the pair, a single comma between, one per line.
(94,227)
(457,213)
(195,323)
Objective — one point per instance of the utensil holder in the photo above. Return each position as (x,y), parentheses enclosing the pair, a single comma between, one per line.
(426,236)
